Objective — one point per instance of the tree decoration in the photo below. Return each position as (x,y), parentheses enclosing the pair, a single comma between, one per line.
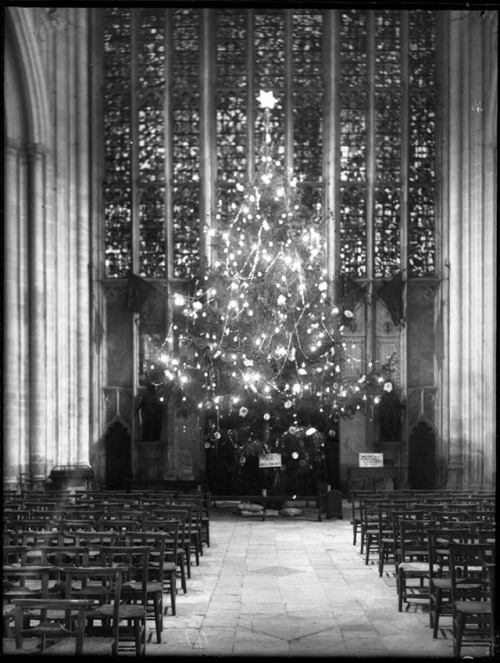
(257,347)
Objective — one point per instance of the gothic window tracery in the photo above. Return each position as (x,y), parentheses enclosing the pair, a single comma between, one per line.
(156,119)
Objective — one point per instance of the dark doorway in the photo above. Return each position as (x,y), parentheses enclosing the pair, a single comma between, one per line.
(422,467)
(118,466)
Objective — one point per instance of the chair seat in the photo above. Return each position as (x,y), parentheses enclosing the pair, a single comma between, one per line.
(19,592)
(128,611)
(414,567)
(137,587)
(445,583)
(474,607)
(91,647)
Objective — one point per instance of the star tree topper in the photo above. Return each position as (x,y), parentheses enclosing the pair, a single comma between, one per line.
(267,100)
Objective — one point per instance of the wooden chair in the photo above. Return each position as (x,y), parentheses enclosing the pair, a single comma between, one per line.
(134,563)
(29,581)
(14,555)
(386,538)
(34,539)
(355,498)
(185,532)
(154,590)
(107,524)
(170,528)
(439,540)
(43,637)
(92,539)
(20,582)
(59,557)
(413,560)
(197,519)
(494,649)
(101,586)
(369,524)
(471,599)
(173,553)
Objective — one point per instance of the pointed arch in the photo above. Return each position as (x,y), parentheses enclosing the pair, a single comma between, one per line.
(25,77)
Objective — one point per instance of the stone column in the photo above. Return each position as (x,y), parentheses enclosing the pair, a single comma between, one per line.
(37,310)
(454,155)
(83,239)
(13,414)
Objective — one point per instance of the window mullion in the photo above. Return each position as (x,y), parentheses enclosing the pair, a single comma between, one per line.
(370,155)
(250,96)
(134,137)
(208,128)
(167,114)
(370,184)
(405,114)
(331,146)
(288,93)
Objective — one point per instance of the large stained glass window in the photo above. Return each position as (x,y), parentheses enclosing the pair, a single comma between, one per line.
(159,118)
(387,143)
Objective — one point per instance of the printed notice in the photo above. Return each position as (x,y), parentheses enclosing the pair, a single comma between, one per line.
(270,460)
(371,460)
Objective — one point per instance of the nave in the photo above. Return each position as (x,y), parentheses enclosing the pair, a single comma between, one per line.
(292,587)
(297,588)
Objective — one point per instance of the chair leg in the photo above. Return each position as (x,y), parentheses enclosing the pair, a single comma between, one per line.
(183,576)
(381,558)
(435,613)
(158,608)
(368,545)
(196,548)
(187,548)
(173,590)
(401,588)
(458,632)
(138,638)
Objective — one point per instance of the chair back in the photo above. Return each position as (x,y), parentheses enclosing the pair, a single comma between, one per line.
(155,541)
(65,555)
(31,580)
(102,585)
(172,528)
(134,563)
(439,541)
(15,554)
(71,626)
(468,570)
(413,539)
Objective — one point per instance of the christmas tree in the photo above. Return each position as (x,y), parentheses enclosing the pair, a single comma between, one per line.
(257,347)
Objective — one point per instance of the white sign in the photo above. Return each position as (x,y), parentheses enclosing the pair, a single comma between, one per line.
(270,460)
(371,460)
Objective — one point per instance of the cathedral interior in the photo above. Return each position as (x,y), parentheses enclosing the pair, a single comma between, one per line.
(134,138)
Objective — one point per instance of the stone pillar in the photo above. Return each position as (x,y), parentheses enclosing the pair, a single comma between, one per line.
(83,124)
(489,118)
(37,323)
(12,327)
(470,167)
(454,158)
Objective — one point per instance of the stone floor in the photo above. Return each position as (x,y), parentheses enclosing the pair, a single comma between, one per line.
(294,587)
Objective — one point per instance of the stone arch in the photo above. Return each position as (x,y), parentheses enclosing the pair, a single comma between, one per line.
(26,102)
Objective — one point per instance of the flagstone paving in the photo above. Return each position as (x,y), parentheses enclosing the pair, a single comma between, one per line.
(294,588)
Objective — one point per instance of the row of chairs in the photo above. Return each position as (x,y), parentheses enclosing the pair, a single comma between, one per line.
(116,589)
(443,550)
(40,554)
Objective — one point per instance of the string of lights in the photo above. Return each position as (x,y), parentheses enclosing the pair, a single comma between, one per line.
(258,346)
